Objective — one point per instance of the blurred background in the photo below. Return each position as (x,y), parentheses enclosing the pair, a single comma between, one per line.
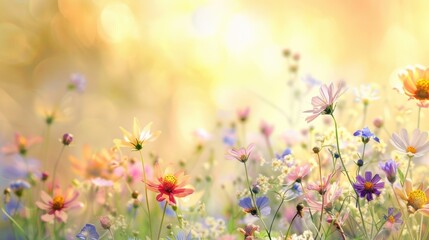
(191,64)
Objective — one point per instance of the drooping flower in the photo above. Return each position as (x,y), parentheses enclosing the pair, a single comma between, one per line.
(415,83)
(57,206)
(262,203)
(169,186)
(88,232)
(249,231)
(390,167)
(415,145)
(325,104)
(298,173)
(20,145)
(392,218)
(366,135)
(241,154)
(138,138)
(368,186)
(416,200)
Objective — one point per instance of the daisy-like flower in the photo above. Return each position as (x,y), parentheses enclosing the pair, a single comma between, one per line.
(415,145)
(138,138)
(390,168)
(366,93)
(88,232)
(298,173)
(57,206)
(415,83)
(366,135)
(368,186)
(20,145)
(325,104)
(262,203)
(241,154)
(170,185)
(392,218)
(416,200)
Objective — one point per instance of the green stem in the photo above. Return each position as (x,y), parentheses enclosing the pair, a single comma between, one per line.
(421,226)
(323,198)
(418,118)
(14,222)
(55,169)
(347,173)
(278,208)
(365,110)
(290,225)
(145,192)
(408,168)
(162,219)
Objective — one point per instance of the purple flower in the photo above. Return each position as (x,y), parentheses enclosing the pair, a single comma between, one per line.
(88,232)
(18,187)
(262,203)
(368,185)
(366,135)
(390,168)
(392,218)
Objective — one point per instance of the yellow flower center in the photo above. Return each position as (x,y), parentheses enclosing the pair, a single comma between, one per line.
(169,180)
(58,203)
(391,219)
(368,185)
(422,92)
(411,149)
(417,199)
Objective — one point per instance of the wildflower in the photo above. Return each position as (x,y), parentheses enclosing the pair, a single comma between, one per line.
(18,187)
(266,129)
(241,154)
(392,219)
(286,152)
(321,188)
(78,82)
(243,114)
(169,185)
(378,122)
(325,103)
(366,135)
(390,168)
(182,235)
(138,138)
(88,232)
(415,145)
(366,94)
(415,199)
(332,193)
(368,185)
(105,222)
(338,222)
(298,173)
(415,83)
(249,231)
(230,137)
(20,145)
(67,139)
(262,203)
(57,206)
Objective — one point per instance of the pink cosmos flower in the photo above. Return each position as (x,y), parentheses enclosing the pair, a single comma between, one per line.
(241,154)
(416,146)
(331,195)
(57,206)
(20,145)
(325,103)
(298,173)
(326,181)
(266,129)
(243,114)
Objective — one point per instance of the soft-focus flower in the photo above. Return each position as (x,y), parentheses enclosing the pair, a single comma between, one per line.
(138,138)
(286,152)
(249,231)
(20,145)
(101,182)
(57,206)
(229,138)
(366,93)
(88,232)
(262,203)
(415,145)
(105,222)
(322,186)
(169,185)
(325,104)
(19,186)
(243,114)
(390,167)
(368,185)
(298,173)
(392,219)
(415,83)
(416,200)
(266,129)
(378,122)
(366,135)
(241,154)
(77,82)
(181,235)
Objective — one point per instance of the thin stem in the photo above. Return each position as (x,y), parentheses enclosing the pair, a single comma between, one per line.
(278,208)
(290,225)
(55,169)
(111,234)
(145,192)
(421,226)
(270,148)
(323,198)
(347,174)
(408,168)
(418,118)
(365,110)
(162,219)
(14,222)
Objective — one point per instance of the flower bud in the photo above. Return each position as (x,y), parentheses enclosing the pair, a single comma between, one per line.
(316,150)
(256,189)
(67,139)
(299,209)
(105,222)
(135,194)
(44,176)
(359,162)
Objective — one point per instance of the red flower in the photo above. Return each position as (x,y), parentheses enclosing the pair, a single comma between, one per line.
(169,185)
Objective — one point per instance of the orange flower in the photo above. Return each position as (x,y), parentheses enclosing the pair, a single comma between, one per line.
(416,200)
(20,145)
(169,185)
(415,83)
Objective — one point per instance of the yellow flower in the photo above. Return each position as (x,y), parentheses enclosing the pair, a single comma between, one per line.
(138,138)
(415,83)
(415,199)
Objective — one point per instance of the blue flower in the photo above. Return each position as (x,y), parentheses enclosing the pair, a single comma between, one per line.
(286,152)
(181,235)
(366,135)
(262,203)
(390,168)
(229,138)
(88,232)
(294,192)
(18,187)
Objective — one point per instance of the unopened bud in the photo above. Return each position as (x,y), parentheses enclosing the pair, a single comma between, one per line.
(135,194)
(67,139)
(299,209)
(105,222)
(316,150)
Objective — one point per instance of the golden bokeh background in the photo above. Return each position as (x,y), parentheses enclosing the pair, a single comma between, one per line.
(188,64)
